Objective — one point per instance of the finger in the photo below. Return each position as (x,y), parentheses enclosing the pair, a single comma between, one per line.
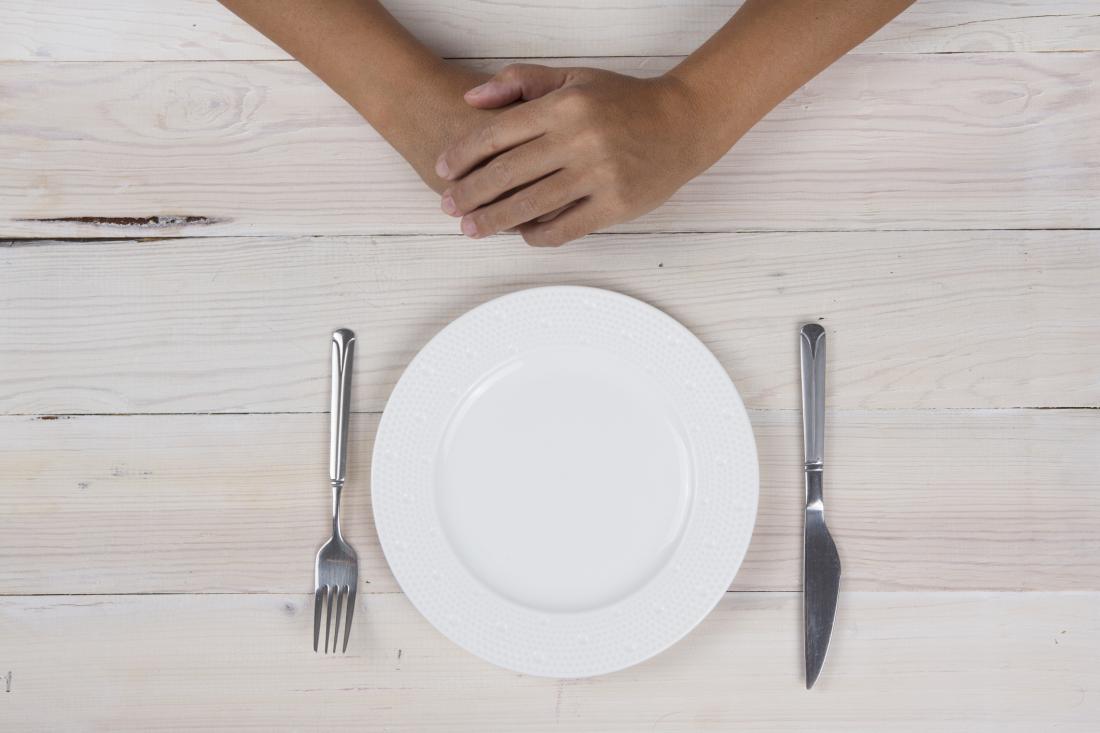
(508,129)
(522,206)
(582,218)
(553,214)
(512,169)
(516,82)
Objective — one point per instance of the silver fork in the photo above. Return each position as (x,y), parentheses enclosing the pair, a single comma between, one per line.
(337,571)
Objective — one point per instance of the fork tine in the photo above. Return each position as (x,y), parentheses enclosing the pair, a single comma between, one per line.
(351,609)
(331,590)
(340,593)
(318,597)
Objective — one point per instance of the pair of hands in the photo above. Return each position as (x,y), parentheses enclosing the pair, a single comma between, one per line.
(584,149)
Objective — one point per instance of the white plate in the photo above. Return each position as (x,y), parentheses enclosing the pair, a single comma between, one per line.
(564,481)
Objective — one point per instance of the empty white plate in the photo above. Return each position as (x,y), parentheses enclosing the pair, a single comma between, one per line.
(564,481)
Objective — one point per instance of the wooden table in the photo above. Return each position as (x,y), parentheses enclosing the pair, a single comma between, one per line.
(187,214)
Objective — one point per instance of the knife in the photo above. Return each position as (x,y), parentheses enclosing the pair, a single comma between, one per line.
(820,562)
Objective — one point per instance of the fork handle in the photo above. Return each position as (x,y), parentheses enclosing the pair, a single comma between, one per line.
(343,352)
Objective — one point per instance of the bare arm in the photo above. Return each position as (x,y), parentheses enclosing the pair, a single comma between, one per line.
(408,94)
(769,49)
(598,148)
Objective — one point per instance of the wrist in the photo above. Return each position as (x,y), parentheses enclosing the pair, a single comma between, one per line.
(717,116)
(690,122)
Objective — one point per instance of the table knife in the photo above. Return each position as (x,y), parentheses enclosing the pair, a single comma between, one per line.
(820,562)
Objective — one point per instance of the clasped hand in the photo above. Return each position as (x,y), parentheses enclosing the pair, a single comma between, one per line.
(582,150)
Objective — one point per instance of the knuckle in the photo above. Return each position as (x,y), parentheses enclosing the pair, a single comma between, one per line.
(536,238)
(489,136)
(500,173)
(493,220)
(575,100)
(554,236)
(601,143)
(510,72)
(618,202)
(595,142)
(527,208)
(617,182)
(460,197)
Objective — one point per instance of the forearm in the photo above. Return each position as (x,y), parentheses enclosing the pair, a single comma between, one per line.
(407,93)
(769,49)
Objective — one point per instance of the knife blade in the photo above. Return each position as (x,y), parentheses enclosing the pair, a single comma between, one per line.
(820,561)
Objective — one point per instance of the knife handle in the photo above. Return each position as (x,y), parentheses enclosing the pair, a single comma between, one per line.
(812,339)
(343,352)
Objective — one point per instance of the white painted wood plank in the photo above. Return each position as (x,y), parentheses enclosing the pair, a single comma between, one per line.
(952,141)
(918,500)
(917,319)
(112,30)
(898,662)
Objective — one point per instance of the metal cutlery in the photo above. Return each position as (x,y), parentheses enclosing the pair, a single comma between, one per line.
(821,564)
(337,571)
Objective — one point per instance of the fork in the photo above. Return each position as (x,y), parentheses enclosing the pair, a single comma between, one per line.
(337,570)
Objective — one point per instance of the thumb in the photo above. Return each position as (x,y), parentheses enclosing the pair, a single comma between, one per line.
(516,82)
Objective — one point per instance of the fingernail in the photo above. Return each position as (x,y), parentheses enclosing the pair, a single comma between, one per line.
(478,90)
(441,169)
(449,205)
(469,228)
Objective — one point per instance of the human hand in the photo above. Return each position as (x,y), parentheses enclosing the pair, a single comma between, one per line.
(435,117)
(593,148)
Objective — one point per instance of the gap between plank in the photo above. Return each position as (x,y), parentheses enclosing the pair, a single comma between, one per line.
(853,411)
(543,57)
(33,241)
(401,593)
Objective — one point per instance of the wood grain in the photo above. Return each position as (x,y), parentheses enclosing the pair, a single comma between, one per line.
(918,500)
(934,661)
(114,30)
(957,141)
(917,319)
